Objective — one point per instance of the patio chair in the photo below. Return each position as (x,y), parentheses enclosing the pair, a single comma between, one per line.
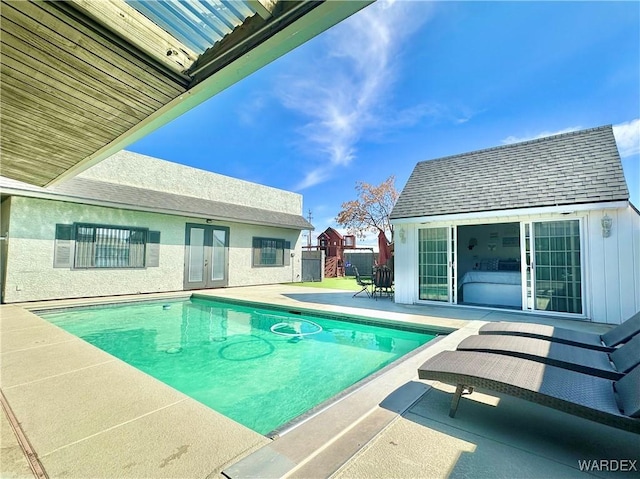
(382,282)
(364,284)
(615,403)
(611,365)
(605,342)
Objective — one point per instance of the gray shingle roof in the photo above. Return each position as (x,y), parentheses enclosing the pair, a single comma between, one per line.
(82,190)
(572,168)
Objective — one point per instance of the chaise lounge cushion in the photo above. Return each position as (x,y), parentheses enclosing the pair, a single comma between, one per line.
(589,361)
(628,393)
(579,394)
(605,342)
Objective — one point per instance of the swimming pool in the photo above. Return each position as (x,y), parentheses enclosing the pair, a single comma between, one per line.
(261,367)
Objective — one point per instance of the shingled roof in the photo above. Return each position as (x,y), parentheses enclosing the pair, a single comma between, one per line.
(572,168)
(88,191)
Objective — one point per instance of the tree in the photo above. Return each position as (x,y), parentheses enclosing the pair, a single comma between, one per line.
(370,212)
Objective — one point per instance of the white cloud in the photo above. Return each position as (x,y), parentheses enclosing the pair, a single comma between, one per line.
(515,139)
(250,109)
(313,177)
(628,137)
(344,93)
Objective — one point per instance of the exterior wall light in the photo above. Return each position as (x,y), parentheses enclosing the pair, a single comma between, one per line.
(403,235)
(607,223)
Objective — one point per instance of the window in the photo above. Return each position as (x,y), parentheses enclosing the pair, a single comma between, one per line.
(270,252)
(100,246)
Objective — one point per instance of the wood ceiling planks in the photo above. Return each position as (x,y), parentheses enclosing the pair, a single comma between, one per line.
(78,84)
(67,89)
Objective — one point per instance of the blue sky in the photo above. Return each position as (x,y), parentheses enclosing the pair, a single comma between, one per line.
(406,81)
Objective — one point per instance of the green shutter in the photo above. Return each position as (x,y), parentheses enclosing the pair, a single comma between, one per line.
(63,246)
(153,249)
(287,253)
(257,250)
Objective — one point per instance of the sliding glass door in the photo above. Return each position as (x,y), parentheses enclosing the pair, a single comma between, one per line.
(553,276)
(551,265)
(436,265)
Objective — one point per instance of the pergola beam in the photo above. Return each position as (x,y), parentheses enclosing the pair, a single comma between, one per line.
(141,32)
(264,8)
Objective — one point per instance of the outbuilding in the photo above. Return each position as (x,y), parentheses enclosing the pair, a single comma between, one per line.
(544,226)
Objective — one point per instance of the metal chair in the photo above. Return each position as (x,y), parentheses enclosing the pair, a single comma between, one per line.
(363,283)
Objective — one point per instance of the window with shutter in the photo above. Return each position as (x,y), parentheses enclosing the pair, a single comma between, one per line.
(153,249)
(100,246)
(270,252)
(63,245)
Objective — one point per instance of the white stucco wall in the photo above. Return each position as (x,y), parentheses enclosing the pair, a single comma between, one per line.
(30,274)
(241,272)
(133,169)
(5,208)
(612,265)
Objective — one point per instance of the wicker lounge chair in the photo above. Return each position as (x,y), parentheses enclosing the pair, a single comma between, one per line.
(615,403)
(612,365)
(605,342)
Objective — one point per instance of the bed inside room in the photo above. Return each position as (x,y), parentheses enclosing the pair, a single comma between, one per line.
(489,266)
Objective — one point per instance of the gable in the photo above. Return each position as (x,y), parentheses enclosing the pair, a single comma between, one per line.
(573,168)
(331,233)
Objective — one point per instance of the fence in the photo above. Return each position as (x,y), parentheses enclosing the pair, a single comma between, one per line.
(361,260)
(312,265)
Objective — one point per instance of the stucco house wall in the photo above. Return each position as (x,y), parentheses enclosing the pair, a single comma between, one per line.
(241,271)
(30,274)
(30,257)
(128,168)
(136,191)
(5,208)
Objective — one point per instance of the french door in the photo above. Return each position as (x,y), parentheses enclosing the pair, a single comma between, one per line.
(436,264)
(206,256)
(552,266)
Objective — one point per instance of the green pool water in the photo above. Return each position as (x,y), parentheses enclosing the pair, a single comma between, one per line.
(260,367)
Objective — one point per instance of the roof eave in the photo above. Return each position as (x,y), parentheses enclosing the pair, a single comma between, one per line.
(299,226)
(541,210)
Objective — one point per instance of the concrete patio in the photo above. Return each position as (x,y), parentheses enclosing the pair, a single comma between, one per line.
(80,412)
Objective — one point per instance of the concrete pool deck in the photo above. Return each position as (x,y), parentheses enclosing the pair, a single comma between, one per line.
(83,413)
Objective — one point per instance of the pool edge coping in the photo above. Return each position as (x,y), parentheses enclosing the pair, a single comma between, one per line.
(31,307)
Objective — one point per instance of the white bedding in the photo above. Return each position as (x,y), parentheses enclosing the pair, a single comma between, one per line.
(496,277)
(499,288)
